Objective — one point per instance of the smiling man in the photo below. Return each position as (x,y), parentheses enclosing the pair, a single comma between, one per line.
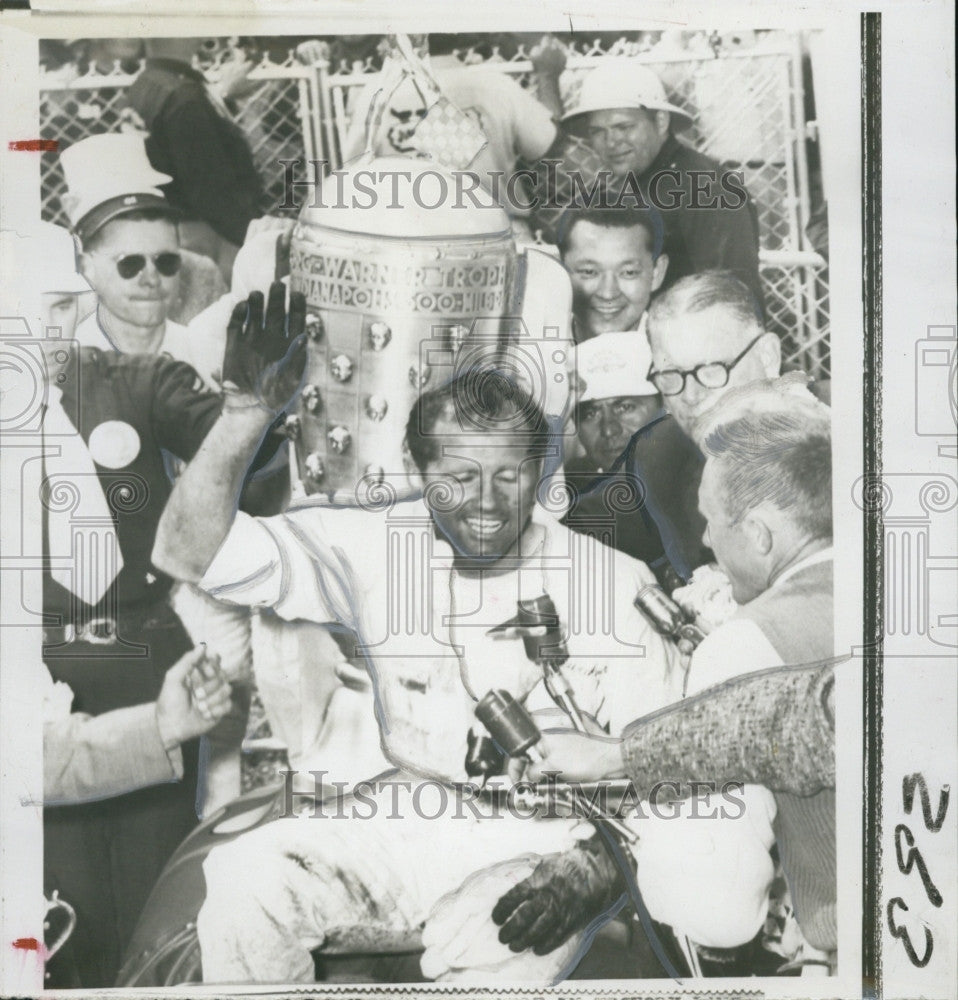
(615,262)
(423,585)
(622,111)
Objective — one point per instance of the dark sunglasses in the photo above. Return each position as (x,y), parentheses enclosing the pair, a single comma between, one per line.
(129,265)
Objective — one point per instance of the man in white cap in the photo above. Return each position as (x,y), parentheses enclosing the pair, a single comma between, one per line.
(130,253)
(616,401)
(623,113)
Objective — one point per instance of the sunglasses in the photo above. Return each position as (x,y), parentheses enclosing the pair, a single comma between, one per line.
(129,265)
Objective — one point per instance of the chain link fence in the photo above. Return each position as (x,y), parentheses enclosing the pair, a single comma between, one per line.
(747,106)
(275,116)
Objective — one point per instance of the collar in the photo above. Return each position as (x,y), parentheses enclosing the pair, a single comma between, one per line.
(823,555)
(664,156)
(176,66)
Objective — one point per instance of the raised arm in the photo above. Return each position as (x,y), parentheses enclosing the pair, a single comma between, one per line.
(262,370)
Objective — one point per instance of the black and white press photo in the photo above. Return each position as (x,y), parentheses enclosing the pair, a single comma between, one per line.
(441,482)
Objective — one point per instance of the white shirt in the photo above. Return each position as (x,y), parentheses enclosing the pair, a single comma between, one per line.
(514,123)
(740,646)
(201,344)
(389,578)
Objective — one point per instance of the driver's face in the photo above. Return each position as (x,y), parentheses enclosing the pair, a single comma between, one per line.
(481,491)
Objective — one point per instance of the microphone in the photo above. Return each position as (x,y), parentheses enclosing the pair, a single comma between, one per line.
(666,616)
(515,731)
(509,724)
(537,621)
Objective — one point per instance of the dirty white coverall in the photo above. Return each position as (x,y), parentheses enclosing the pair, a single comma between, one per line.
(294,885)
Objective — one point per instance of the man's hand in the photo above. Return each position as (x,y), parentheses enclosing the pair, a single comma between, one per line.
(194,697)
(565,893)
(232,80)
(577,757)
(265,357)
(548,57)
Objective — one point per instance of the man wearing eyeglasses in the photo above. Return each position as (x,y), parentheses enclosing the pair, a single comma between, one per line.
(707,337)
(130,254)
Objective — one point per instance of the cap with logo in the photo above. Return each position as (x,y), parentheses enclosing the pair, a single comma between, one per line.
(109,175)
(621,85)
(612,365)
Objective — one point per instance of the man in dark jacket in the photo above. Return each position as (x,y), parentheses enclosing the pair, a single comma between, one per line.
(622,112)
(195,140)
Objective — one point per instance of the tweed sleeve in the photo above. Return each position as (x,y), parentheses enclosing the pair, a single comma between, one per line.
(772,727)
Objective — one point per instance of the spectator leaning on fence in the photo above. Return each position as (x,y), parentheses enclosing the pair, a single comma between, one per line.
(194,139)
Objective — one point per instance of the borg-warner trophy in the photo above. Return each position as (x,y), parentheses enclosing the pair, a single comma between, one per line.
(400,296)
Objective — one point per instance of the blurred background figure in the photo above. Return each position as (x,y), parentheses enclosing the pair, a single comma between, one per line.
(623,113)
(194,139)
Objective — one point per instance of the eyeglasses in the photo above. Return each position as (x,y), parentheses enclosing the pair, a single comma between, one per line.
(711,375)
(129,265)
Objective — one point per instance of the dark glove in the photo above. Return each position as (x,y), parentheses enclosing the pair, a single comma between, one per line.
(565,893)
(266,356)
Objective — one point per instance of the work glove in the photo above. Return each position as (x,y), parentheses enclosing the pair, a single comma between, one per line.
(565,893)
(265,355)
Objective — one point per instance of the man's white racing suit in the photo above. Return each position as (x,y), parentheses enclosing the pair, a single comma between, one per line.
(372,868)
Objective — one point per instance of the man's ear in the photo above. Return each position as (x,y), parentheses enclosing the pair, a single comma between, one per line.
(416,479)
(659,269)
(770,352)
(85,266)
(662,121)
(758,533)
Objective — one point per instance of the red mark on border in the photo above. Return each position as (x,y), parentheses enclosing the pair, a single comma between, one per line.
(33,145)
(27,944)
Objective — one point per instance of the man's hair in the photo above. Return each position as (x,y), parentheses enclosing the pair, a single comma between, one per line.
(484,401)
(778,453)
(94,240)
(698,292)
(612,218)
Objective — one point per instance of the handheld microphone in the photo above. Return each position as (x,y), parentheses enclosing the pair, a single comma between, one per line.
(515,731)
(547,648)
(509,724)
(666,616)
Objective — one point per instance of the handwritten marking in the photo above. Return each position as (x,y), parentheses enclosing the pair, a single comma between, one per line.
(913,859)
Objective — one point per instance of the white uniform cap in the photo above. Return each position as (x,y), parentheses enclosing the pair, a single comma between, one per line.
(623,85)
(42,259)
(614,364)
(109,175)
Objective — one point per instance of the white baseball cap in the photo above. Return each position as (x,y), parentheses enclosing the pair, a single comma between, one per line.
(623,85)
(109,175)
(614,364)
